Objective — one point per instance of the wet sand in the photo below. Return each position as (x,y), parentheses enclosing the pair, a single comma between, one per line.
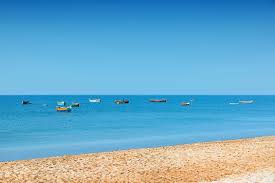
(245,160)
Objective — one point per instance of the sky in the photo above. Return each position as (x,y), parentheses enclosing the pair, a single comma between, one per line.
(137,47)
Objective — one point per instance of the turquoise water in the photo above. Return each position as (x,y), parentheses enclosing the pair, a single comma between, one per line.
(33,131)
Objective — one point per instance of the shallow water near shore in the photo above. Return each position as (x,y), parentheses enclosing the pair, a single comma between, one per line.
(33,131)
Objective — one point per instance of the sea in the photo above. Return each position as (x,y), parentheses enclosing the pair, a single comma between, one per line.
(38,130)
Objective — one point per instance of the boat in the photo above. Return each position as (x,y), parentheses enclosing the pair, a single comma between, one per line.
(246,101)
(75,104)
(97,100)
(185,104)
(233,103)
(61,103)
(121,101)
(158,100)
(25,102)
(63,109)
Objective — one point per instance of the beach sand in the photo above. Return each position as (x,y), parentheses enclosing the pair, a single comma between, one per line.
(245,160)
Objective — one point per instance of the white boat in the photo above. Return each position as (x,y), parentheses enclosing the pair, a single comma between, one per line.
(97,100)
(246,101)
(61,103)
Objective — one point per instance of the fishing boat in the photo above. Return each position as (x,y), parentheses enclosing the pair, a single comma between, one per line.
(63,109)
(75,104)
(97,100)
(61,103)
(157,100)
(246,101)
(25,102)
(185,104)
(121,101)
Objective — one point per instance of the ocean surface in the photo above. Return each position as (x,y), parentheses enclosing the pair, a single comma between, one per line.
(32,131)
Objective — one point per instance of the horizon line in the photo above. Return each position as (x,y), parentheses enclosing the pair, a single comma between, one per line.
(137,94)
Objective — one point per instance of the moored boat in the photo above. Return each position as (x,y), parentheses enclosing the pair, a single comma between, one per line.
(157,100)
(246,101)
(61,103)
(185,103)
(121,101)
(75,104)
(63,109)
(25,102)
(96,100)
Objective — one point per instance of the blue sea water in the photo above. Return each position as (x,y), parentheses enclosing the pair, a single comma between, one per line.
(33,131)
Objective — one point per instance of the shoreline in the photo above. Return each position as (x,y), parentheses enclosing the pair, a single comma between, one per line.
(198,162)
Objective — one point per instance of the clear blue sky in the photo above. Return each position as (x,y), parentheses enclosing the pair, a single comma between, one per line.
(137,47)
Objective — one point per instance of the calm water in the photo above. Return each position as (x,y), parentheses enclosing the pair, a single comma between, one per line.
(34,130)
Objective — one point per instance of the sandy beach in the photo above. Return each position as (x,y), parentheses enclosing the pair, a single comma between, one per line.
(245,160)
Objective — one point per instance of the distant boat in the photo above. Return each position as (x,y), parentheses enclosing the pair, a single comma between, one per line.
(246,101)
(75,104)
(25,102)
(185,104)
(63,109)
(97,100)
(121,101)
(233,103)
(61,103)
(157,100)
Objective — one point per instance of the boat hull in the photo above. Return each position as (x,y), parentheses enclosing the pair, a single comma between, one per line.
(75,105)
(62,103)
(25,102)
(158,100)
(95,100)
(246,101)
(121,101)
(63,109)
(185,104)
